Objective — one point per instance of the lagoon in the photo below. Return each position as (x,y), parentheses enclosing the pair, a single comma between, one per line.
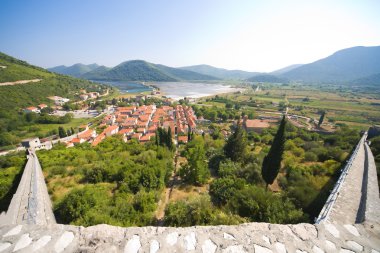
(179,90)
(175,90)
(129,87)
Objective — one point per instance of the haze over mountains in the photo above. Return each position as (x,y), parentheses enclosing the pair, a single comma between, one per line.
(357,65)
(75,70)
(220,72)
(343,66)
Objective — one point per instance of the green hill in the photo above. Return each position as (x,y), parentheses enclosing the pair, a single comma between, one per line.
(138,70)
(75,70)
(12,70)
(14,124)
(134,71)
(285,69)
(220,72)
(341,67)
(183,74)
(372,80)
(266,78)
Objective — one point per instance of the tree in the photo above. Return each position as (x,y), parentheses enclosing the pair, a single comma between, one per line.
(236,145)
(272,161)
(169,139)
(164,138)
(321,118)
(196,171)
(61,132)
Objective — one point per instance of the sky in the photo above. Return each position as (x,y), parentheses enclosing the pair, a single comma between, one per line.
(249,35)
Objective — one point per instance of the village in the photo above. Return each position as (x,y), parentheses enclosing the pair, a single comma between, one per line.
(140,123)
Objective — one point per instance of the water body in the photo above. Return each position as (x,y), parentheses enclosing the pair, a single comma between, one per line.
(129,87)
(175,90)
(179,90)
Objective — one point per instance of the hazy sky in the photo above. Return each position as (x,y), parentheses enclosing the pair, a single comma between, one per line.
(233,34)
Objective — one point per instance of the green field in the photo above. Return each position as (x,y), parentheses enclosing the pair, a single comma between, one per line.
(355,108)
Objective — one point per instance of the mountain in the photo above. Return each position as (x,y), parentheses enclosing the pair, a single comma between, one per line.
(95,74)
(219,72)
(372,80)
(267,78)
(343,66)
(184,74)
(286,69)
(75,70)
(138,70)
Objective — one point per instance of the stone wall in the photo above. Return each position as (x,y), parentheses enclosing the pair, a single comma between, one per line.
(251,237)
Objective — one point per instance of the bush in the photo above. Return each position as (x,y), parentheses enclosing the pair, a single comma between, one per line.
(310,157)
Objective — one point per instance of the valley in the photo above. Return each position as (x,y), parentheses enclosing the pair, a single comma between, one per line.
(163,156)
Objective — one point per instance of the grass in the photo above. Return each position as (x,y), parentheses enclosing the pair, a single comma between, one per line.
(185,192)
(45,129)
(354,108)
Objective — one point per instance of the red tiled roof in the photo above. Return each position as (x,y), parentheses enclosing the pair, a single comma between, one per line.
(111,128)
(31,108)
(86,134)
(126,131)
(182,139)
(75,140)
(136,136)
(98,139)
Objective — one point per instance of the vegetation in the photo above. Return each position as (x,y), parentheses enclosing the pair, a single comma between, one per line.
(321,119)
(115,183)
(195,171)
(164,138)
(272,161)
(11,168)
(76,70)
(235,148)
(19,70)
(14,123)
(138,70)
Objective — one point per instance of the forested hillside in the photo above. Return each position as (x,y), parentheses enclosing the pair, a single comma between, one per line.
(13,69)
(136,70)
(76,70)
(14,98)
(220,72)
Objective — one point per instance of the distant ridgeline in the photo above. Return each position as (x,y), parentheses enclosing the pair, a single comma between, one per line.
(357,65)
(136,70)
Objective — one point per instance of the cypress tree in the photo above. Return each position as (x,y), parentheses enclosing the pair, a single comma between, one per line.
(236,145)
(321,118)
(157,138)
(160,136)
(61,132)
(272,161)
(169,139)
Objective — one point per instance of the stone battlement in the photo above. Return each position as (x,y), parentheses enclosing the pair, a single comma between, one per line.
(250,237)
